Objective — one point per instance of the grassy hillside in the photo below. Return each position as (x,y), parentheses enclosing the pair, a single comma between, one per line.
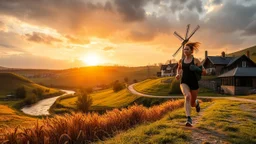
(160,87)
(244,51)
(85,128)
(221,121)
(154,86)
(88,76)
(9,118)
(9,82)
(102,100)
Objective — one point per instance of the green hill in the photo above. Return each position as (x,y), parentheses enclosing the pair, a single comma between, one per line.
(9,82)
(252,51)
(88,76)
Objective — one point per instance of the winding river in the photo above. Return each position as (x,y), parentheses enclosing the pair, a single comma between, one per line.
(42,107)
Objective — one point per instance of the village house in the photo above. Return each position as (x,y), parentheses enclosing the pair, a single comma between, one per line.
(239,81)
(216,65)
(237,74)
(168,70)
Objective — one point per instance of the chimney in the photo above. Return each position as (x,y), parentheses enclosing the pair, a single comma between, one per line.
(206,54)
(223,54)
(248,54)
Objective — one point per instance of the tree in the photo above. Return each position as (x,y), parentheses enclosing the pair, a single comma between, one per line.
(117,86)
(126,80)
(38,92)
(84,101)
(20,92)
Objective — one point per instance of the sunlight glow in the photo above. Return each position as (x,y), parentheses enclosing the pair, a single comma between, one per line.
(91,59)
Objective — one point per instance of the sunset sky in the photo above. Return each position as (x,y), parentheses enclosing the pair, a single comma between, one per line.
(59,34)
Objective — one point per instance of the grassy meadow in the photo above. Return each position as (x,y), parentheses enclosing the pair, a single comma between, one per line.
(83,128)
(102,100)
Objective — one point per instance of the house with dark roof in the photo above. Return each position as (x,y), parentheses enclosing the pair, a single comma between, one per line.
(168,70)
(216,65)
(239,80)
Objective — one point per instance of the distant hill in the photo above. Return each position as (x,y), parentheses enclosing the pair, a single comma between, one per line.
(252,51)
(2,67)
(9,82)
(88,76)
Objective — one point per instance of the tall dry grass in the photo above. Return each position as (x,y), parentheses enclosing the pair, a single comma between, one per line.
(85,128)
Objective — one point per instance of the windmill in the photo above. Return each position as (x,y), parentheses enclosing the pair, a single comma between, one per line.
(184,41)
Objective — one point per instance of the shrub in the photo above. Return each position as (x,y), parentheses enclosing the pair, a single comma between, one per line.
(20,92)
(30,99)
(84,101)
(117,86)
(175,87)
(126,80)
(38,92)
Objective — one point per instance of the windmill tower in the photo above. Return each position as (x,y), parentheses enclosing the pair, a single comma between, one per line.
(184,41)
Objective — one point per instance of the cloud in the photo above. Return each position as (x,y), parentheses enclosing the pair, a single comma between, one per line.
(3,27)
(250,29)
(41,38)
(195,4)
(108,48)
(75,40)
(230,17)
(6,46)
(131,10)
(35,62)
(217,2)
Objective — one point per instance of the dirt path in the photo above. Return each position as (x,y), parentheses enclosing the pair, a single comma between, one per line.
(133,91)
(199,135)
(204,136)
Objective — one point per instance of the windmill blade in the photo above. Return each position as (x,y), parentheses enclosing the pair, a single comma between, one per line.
(188,26)
(194,31)
(177,51)
(178,36)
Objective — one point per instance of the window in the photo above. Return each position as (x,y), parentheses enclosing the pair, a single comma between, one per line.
(243,63)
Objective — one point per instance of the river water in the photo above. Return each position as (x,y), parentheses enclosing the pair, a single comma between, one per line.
(42,107)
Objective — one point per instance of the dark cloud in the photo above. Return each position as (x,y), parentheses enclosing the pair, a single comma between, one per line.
(217,2)
(108,48)
(67,16)
(251,28)
(75,40)
(230,17)
(41,38)
(195,4)
(177,5)
(132,10)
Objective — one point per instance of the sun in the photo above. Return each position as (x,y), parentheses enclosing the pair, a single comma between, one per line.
(91,59)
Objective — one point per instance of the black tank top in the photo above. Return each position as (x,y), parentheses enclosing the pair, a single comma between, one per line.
(188,76)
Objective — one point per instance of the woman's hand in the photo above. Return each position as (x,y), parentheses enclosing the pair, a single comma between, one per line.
(177,76)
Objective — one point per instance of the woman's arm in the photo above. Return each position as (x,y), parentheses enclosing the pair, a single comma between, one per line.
(179,70)
(198,63)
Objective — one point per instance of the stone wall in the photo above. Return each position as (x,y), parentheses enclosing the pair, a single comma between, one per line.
(228,89)
(210,84)
(242,90)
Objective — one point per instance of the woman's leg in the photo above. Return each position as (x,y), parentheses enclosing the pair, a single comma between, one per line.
(193,97)
(187,95)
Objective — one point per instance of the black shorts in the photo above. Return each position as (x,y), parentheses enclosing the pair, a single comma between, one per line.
(192,86)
